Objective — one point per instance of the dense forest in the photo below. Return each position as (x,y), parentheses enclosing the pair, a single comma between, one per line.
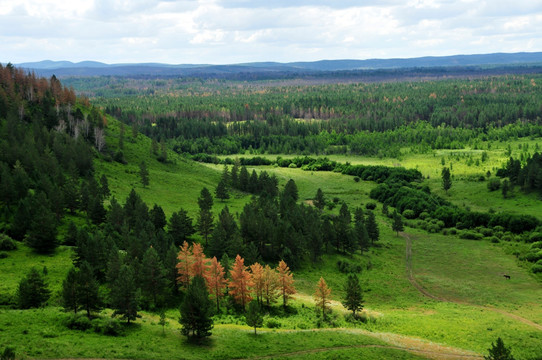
(351,118)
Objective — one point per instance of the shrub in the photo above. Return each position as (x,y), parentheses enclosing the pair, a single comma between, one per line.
(535,237)
(409,214)
(494,239)
(485,231)
(346,267)
(292,166)
(3,255)
(494,184)
(370,206)
(7,243)
(423,215)
(272,324)
(356,179)
(8,354)
(78,322)
(107,326)
(471,235)
(536,268)
(536,245)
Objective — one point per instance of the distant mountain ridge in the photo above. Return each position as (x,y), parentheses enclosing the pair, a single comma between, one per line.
(94,68)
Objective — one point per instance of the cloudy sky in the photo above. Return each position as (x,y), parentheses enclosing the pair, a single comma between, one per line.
(235,31)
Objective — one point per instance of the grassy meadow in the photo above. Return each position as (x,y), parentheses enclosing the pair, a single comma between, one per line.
(468,274)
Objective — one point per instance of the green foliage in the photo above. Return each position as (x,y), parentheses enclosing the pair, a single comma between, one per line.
(397,224)
(32,291)
(494,184)
(353,298)
(144,174)
(196,310)
(446,179)
(254,317)
(125,295)
(499,351)
(7,243)
(8,353)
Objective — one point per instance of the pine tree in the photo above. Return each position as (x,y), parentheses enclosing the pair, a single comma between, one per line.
(195,311)
(152,275)
(499,351)
(104,187)
(69,291)
(88,295)
(240,282)
(144,174)
(353,298)
(41,235)
(235,174)
(505,188)
(180,227)
(158,217)
(32,291)
(285,282)
(216,281)
(372,227)
(319,200)
(243,179)
(446,179)
(397,224)
(322,296)
(205,218)
(254,316)
(125,294)
(221,191)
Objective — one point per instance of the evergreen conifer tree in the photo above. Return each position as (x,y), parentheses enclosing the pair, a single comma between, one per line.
(196,310)
(254,316)
(353,298)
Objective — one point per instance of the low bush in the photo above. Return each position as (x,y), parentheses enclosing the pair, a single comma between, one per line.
(272,323)
(7,243)
(345,267)
(471,235)
(78,322)
(107,326)
(494,184)
(370,206)
(409,214)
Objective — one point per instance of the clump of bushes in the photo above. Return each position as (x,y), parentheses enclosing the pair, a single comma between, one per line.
(7,243)
(370,206)
(346,268)
(494,184)
(107,326)
(78,322)
(471,235)
(272,323)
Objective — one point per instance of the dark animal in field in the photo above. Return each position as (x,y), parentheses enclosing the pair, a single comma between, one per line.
(506,276)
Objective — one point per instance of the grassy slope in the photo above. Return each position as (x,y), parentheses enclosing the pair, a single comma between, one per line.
(397,306)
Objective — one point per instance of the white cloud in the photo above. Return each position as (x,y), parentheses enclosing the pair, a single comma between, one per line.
(221,31)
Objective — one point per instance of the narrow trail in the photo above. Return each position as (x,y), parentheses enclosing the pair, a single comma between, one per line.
(408,258)
(425,353)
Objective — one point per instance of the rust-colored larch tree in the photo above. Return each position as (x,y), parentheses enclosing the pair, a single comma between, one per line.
(285,282)
(241,282)
(257,279)
(270,285)
(184,265)
(216,282)
(200,264)
(322,296)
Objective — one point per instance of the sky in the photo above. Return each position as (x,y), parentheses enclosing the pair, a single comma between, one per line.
(239,31)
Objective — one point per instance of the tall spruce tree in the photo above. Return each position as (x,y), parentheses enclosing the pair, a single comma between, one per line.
(125,294)
(372,227)
(397,224)
(144,174)
(88,294)
(205,218)
(196,311)
(254,316)
(446,179)
(353,297)
(32,291)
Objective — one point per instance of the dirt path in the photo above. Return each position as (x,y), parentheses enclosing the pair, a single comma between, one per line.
(428,354)
(408,258)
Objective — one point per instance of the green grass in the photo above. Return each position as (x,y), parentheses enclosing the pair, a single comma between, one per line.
(40,333)
(20,261)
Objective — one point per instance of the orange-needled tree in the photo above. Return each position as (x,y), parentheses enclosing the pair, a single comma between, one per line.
(285,282)
(241,282)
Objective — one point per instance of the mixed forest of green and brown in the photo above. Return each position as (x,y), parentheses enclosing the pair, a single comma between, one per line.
(197,218)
